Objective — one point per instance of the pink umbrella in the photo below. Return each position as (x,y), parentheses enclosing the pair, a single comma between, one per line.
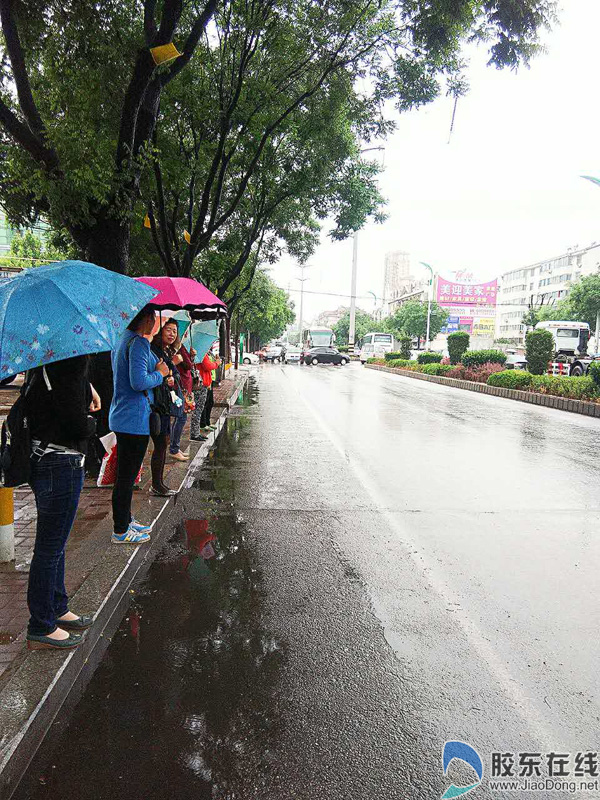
(185,293)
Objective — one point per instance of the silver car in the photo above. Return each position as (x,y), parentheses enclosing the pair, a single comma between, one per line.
(292,355)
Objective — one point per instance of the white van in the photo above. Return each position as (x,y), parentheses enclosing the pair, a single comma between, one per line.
(374,345)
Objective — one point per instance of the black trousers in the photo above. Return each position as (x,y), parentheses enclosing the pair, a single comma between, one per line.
(131,449)
(208,405)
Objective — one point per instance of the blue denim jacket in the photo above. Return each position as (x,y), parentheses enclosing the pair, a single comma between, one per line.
(134,372)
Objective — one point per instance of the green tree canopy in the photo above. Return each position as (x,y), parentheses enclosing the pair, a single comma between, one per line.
(583,300)
(363,324)
(264,310)
(86,114)
(29,250)
(411,318)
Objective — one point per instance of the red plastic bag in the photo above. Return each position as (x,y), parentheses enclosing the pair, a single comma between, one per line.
(108,469)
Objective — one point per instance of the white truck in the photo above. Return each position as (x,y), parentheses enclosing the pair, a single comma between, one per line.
(570,346)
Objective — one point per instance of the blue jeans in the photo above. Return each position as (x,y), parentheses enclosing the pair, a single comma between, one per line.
(177,426)
(56,480)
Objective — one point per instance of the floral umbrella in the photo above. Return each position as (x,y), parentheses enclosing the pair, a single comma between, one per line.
(64,309)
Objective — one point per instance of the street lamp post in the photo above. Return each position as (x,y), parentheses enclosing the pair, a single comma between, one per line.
(352,325)
(429,291)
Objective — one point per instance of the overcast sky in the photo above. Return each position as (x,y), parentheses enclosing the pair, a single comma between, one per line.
(503,193)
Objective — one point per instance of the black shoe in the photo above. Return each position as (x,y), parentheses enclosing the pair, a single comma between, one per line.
(199,438)
(35,642)
(79,624)
(162,492)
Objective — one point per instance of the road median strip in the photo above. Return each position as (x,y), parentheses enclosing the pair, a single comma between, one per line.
(536,398)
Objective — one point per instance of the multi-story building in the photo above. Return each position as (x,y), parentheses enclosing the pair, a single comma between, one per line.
(415,290)
(328,319)
(397,278)
(541,284)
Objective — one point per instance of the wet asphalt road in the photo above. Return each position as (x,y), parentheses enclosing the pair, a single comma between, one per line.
(367,567)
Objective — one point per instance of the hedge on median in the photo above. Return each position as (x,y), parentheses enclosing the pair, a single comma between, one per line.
(391,356)
(594,372)
(476,358)
(582,388)
(458,343)
(428,357)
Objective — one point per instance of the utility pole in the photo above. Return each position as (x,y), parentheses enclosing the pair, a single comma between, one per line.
(429,292)
(302,279)
(352,327)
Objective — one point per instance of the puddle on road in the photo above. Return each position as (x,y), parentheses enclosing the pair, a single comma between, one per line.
(182,702)
(248,397)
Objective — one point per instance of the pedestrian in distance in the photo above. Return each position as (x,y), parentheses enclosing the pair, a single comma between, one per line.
(172,404)
(58,405)
(200,424)
(208,370)
(137,372)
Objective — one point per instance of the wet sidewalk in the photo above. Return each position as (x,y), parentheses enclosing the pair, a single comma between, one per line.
(95,570)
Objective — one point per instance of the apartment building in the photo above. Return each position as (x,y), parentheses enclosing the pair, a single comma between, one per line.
(543,283)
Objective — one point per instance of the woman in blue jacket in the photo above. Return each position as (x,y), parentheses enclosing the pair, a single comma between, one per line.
(136,372)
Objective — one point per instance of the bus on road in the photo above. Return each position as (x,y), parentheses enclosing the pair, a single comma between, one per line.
(317,337)
(374,345)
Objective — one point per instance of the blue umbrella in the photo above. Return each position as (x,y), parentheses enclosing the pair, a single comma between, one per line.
(65,309)
(199,335)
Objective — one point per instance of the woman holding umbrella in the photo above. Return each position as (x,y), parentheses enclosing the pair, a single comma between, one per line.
(51,318)
(137,374)
(164,348)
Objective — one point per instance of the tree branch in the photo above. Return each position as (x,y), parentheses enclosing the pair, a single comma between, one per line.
(43,152)
(150,29)
(155,238)
(22,134)
(162,219)
(192,41)
(19,70)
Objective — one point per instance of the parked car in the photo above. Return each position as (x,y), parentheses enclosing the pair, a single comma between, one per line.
(273,354)
(514,360)
(250,358)
(324,355)
(292,355)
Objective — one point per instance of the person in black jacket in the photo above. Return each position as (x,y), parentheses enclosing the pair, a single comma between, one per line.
(58,404)
(163,346)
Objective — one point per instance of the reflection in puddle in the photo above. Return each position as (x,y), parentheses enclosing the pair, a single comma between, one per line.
(182,704)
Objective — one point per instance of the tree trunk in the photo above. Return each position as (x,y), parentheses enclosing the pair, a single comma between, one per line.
(236,341)
(107,244)
(228,339)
